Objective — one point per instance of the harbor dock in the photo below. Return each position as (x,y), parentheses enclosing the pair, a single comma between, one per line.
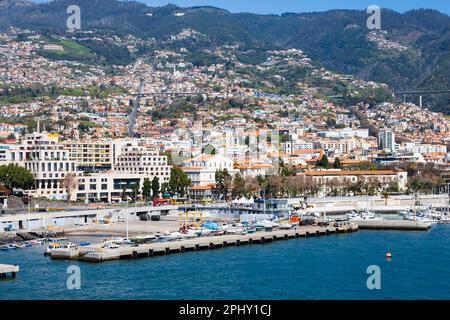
(96,253)
(393,225)
(7,268)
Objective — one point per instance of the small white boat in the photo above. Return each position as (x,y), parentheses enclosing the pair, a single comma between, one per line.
(364,215)
(444,219)
(110,245)
(286,226)
(235,230)
(266,224)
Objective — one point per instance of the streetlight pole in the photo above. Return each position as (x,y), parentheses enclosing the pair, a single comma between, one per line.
(126,212)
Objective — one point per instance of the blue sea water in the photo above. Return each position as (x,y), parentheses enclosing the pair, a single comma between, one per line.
(328,267)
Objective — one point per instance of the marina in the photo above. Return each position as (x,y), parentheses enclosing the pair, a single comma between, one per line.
(325,267)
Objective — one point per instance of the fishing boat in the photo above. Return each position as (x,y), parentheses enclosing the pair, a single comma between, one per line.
(51,247)
(7,248)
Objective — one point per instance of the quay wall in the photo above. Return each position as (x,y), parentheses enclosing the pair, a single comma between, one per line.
(97,254)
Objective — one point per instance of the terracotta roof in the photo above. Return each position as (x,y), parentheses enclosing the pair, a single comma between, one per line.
(307,151)
(208,187)
(254,166)
(192,168)
(350,173)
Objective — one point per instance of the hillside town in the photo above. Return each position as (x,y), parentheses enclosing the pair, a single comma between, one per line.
(89,135)
(261,151)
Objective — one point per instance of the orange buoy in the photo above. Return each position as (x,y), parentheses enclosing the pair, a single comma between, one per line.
(388,255)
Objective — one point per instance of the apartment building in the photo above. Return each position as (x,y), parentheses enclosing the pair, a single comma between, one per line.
(91,156)
(144,161)
(133,166)
(338,146)
(290,147)
(386,140)
(47,160)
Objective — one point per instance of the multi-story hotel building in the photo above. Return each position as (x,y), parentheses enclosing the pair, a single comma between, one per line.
(91,156)
(102,171)
(133,166)
(47,160)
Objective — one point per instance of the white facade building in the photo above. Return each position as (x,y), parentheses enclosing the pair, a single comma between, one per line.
(48,161)
(386,140)
(202,169)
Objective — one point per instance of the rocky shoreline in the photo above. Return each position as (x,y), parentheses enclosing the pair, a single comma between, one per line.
(17,237)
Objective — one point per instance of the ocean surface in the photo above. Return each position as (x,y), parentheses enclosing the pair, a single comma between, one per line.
(327,267)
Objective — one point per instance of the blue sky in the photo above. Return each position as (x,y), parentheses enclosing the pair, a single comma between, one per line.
(280,6)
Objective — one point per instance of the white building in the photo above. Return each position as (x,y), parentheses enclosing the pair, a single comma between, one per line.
(48,161)
(345,133)
(202,169)
(134,164)
(386,140)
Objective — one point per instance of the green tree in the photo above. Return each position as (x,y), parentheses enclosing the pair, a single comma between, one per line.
(155,187)
(179,181)
(13,176)
(146,189)
(239,189)
(323,162)
(165,188)
(124,193)
(337,163)
(135,191)
(223,182)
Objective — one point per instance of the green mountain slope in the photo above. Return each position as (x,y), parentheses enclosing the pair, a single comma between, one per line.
(411,52)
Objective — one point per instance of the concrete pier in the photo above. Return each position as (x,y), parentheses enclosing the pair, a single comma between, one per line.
(7,268)
(97,254)
(392,225)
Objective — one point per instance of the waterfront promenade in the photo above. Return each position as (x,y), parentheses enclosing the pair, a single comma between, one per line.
(77,220)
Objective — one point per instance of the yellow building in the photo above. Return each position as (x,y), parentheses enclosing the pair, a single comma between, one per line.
(91,155)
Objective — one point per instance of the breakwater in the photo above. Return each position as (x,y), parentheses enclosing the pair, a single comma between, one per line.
(17,237)
(97,253)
